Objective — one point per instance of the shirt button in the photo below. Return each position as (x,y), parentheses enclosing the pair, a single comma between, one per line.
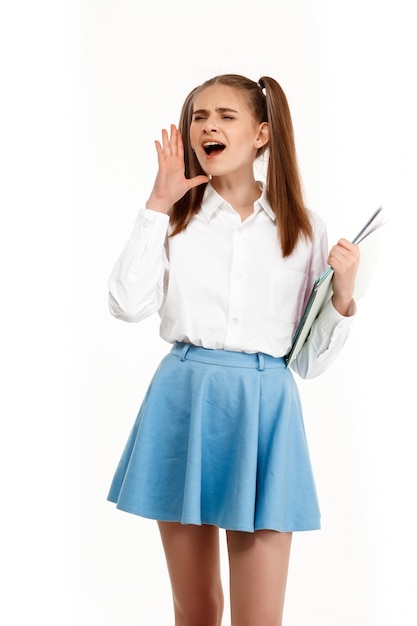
(239,230)
(238,275)
(145,223)
(235,320)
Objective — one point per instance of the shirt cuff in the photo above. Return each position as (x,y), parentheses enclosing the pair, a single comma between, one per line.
(329,318)
(150,225)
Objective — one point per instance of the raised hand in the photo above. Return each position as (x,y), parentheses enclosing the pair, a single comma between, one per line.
(344,258)
(170,182)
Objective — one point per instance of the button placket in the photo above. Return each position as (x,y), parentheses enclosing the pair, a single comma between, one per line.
(236,288)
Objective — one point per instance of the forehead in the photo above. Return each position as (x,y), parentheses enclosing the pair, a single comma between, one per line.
(220,96)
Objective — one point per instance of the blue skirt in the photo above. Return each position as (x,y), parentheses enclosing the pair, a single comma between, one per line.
(219,439)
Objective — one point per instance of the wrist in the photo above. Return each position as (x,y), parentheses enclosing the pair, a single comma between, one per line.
(157,204)
(342,305)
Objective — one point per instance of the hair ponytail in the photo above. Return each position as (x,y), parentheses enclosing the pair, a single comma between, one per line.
(283,181)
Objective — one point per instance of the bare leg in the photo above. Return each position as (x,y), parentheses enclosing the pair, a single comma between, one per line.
(258,576)
(193,558)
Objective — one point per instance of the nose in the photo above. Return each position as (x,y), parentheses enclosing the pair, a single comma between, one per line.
(209,127)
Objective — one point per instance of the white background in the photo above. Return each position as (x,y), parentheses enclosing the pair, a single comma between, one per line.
(86,87)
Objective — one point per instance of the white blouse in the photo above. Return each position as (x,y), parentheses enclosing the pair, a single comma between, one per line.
(223,283)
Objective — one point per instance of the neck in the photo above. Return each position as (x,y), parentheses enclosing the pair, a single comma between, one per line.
(241,197)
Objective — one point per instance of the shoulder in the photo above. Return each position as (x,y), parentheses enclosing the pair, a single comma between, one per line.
(318,224)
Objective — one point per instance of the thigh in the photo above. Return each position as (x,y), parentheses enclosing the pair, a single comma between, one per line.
(193,558)
(258,576)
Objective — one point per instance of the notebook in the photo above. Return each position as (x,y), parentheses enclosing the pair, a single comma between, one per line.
(322,289)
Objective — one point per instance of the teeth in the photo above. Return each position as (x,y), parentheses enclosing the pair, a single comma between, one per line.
(213,146)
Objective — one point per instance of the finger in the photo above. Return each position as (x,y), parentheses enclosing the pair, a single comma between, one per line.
(337,258)
(348,246)
(180,145)
(174,139)
(158,147)
(341,261)
(165,142)
(344,249)
(197,180)
(337,252)
(344,243)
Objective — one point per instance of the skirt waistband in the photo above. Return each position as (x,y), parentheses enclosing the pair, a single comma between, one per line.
(258,360)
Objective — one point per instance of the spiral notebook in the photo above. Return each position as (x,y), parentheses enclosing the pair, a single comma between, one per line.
(322,289)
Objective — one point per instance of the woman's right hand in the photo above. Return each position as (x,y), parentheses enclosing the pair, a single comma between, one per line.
(170,182)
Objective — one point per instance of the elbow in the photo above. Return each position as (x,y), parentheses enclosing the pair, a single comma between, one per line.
(305,371)
(128,312)
(125,316)
(310,365)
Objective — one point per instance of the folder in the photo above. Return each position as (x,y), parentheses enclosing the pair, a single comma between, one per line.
(322,291)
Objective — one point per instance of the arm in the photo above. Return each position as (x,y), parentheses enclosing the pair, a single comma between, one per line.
(136,284)
(344,258)
(137,280)
(331,328)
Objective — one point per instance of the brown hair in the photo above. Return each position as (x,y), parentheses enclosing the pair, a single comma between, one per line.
(283,185)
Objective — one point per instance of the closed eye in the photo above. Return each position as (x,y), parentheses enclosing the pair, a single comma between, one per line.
(201,118)
(224,112)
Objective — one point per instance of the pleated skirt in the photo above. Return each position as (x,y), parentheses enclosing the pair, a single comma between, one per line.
(219,439)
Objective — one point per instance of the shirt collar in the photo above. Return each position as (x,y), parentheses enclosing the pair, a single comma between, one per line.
(213,201)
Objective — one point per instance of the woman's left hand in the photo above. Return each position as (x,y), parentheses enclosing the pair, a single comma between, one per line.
(344,258)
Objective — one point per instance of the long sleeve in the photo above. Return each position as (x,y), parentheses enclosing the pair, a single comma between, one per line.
(222,283)
(136,284)
(326,339)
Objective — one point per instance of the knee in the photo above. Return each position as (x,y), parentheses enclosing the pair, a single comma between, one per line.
(204,608)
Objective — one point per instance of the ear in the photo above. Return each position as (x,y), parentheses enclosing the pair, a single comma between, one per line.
(263,135)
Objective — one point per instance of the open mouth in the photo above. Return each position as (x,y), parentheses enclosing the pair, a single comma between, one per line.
(213,147)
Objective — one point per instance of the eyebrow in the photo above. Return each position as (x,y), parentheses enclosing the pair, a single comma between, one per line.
(218,110)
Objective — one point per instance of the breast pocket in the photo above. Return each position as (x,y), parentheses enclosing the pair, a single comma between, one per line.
(286,294)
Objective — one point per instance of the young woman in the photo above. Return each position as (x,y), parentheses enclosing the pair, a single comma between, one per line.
(228,263)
